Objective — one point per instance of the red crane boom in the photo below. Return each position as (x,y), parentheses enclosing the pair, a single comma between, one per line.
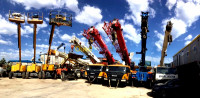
(93,36)
(114,31)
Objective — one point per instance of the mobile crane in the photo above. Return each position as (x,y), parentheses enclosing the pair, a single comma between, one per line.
(76,42)
(17,18)
(34,18)
(96,71)
(163,73)
(114,31)
(56,18)
(143,74)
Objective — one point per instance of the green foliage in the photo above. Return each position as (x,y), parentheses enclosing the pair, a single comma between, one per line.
(2,62)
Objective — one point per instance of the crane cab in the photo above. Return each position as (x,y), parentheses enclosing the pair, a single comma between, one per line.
(117,73)
(95,72)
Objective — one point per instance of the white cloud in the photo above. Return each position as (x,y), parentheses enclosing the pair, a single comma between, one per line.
(5,42)
(46,18)
(189,11)
(66,37)
(71,5)
(159,43)
(157,59)
(187,42)
(90,15)
(189,37)
(135,7)
(179,27)
(42,46)
(9,28)
(131,34)
(100,29)
(170,4)
(186,13)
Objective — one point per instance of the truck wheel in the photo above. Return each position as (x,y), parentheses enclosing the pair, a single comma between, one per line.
(43,74)
(55,75)
(27,75)
(62,76)
(23,75)
(40,75)
(10,75)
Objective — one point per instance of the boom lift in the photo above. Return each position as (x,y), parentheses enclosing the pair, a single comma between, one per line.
(114,31)
(56,18)
(143,74)
(34,18)
(84,49)
(96,71)
(17,18)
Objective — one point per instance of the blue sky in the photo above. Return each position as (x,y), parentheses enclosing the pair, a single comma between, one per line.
(183,13)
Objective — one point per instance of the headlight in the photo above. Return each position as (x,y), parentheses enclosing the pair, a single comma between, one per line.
(106,69)
(87,68)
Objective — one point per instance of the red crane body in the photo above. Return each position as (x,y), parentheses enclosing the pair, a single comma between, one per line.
(111,30)
(93,35)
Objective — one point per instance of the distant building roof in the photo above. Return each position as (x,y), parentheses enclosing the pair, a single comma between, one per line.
(24,61)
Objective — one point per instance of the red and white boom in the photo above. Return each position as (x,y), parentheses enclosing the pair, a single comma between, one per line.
(114,31)
(93,36)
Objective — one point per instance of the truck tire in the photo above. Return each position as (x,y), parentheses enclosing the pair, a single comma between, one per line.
(23,75)
(10,75)
(55,76)
(62,76)
(27,75)
(43,74)
(40,75)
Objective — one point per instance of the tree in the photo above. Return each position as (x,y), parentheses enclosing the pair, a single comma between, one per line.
(2,62)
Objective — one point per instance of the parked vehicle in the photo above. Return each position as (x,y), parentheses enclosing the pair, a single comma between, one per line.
(172,88)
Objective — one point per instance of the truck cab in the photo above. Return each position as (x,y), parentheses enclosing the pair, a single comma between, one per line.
(117,73)
(163,74)
(143,74)
(95,72)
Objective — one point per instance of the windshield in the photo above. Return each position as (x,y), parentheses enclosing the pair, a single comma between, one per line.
(143,69)
(166,70)
(95,68)
(148,63)
(116,68)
